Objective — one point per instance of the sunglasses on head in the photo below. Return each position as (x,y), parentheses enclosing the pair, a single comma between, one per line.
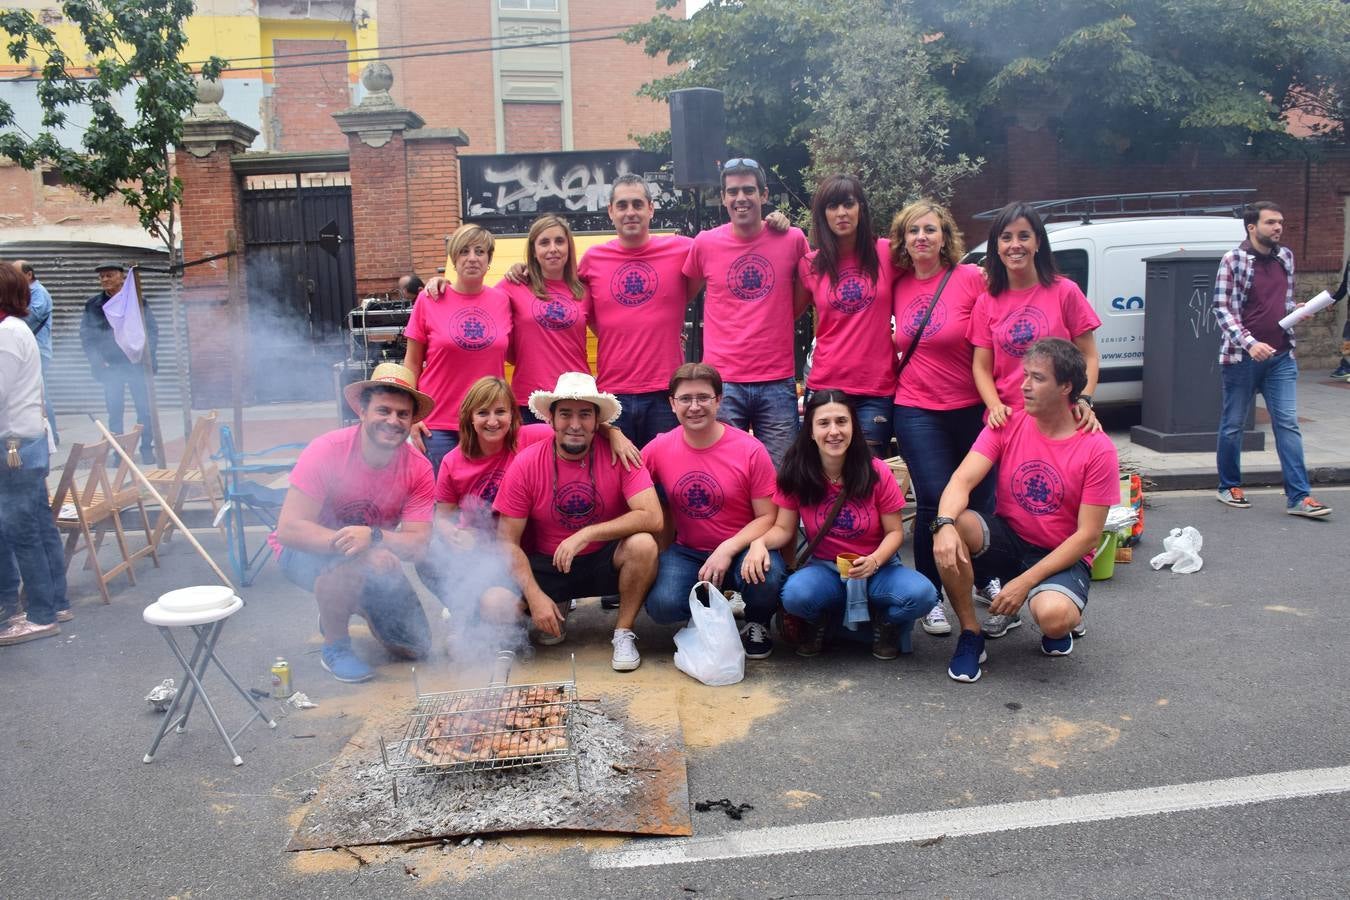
(740,162)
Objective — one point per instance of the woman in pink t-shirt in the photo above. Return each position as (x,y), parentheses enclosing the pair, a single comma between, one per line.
(847,279)
(1027,300)
(549,311)
(938,412)
(824,462)
(456,336)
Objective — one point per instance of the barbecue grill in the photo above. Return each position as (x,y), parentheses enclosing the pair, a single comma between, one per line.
(488,729)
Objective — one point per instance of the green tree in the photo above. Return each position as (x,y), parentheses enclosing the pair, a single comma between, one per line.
(885,121)
(1140,76)
(134,45)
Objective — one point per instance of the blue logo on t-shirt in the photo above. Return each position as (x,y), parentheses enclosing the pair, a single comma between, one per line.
(1038,488)
(853,292)
(1022,329)
(472,329)
(486,485)
(634,283)
(853,520)
(698,496)
(555,313)
(357,512)
(913,314)
(576,505)
(750,278)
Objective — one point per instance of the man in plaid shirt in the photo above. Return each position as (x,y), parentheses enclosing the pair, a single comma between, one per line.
(1254,289)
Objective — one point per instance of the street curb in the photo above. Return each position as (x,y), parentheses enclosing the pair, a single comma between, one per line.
(1208,478)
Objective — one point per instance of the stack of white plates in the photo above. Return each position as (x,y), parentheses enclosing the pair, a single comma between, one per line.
(198,599)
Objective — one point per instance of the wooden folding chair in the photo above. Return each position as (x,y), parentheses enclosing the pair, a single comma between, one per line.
(901,473)
(126,493)
(82,510)
(196,477)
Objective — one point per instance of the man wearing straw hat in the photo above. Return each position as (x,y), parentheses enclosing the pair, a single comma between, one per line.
(574,525)
(360,505)
(1055,485)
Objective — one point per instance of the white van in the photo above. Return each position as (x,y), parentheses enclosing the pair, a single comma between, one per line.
(1106,258)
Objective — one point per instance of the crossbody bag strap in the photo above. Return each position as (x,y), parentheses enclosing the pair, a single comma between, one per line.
(830,516)
(909,353)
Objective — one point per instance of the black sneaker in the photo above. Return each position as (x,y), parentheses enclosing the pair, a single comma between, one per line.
(813,639)
(885,640)
(756,641)
(609,601)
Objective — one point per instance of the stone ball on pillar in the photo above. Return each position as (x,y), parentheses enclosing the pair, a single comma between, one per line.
(209,90)
(377,78)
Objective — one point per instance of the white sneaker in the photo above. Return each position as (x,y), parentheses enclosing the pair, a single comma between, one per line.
(936,621)
(986,594)
(626,656)
(737,603)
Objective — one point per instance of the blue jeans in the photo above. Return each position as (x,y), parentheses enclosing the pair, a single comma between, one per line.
(769,408)
(896,594)
(644,416)
(874,418)
(29,542)
(439,443)
(1277,380)
(933,443)
(668,600)
(116,381)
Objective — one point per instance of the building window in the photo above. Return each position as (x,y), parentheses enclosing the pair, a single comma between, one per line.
(52,178)
(529,5)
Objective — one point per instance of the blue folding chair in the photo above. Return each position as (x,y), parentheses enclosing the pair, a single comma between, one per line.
(249,502)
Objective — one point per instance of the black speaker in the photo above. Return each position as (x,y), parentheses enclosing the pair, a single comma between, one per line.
(698,136)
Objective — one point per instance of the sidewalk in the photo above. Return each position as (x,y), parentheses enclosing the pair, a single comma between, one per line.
(1323,405)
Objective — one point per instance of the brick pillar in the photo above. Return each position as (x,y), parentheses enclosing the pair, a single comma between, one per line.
(1033,156)
(382,185)
(212,207)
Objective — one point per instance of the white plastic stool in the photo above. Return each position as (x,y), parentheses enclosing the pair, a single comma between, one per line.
(204,610)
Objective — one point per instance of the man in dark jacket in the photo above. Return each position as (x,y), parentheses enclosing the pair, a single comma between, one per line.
(110,366)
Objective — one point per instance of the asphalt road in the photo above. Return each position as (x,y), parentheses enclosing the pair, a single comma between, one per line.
(1232,672)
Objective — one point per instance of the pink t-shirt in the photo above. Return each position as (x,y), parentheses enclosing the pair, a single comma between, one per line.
(472,484)
(747,310)
(853,326)
(332,471)
(1011,322)
(466,337)
(1042,482)
(548,336)
(710,491)
(583,493)
(939,376)
(638,298)
(857,528)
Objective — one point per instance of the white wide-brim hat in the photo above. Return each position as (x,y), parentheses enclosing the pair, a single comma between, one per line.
(576,386)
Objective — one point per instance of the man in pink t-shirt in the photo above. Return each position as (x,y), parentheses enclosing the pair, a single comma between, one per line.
(574,525)
(360,503)
(718,485)
(750,273)
(1055,484)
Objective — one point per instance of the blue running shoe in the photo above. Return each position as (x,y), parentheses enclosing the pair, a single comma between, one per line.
(1057,646)
(343,664)
(965,664)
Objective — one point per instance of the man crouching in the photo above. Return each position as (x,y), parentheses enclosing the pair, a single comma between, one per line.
(360,504)
(574,525)
(1055,484)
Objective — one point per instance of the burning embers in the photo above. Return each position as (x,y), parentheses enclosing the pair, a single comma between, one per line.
(497,727)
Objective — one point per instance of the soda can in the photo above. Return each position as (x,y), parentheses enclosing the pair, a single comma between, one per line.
(281,679)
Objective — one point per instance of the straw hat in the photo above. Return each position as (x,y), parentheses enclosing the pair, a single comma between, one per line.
(576,386)
(395,376)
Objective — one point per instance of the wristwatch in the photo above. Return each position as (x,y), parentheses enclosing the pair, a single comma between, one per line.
(376,535)
(1088,398)
(939,522)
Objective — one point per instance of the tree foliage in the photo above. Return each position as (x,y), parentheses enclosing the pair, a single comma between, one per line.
(132,45)
(885,121)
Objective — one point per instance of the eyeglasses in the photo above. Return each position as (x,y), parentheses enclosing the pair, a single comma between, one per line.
(691,399)
(741,162)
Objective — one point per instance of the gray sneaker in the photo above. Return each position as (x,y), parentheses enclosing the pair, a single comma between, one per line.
(936,621)
(986,594)
(997,626)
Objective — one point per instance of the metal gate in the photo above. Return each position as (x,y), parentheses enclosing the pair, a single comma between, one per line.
(298,293)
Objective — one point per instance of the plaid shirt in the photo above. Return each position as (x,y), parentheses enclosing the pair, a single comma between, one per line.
(1231,287)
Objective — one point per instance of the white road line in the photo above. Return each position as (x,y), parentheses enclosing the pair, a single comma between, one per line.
(979,819)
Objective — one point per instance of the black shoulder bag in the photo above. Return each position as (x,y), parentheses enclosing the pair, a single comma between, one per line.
(909,351)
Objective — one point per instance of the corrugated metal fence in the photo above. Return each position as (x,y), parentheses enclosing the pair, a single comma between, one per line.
(67,271)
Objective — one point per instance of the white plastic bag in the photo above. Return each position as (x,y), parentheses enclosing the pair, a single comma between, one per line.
(1181,551)
(709,647)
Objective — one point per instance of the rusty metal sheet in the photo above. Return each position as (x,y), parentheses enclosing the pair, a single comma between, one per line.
(632,775)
